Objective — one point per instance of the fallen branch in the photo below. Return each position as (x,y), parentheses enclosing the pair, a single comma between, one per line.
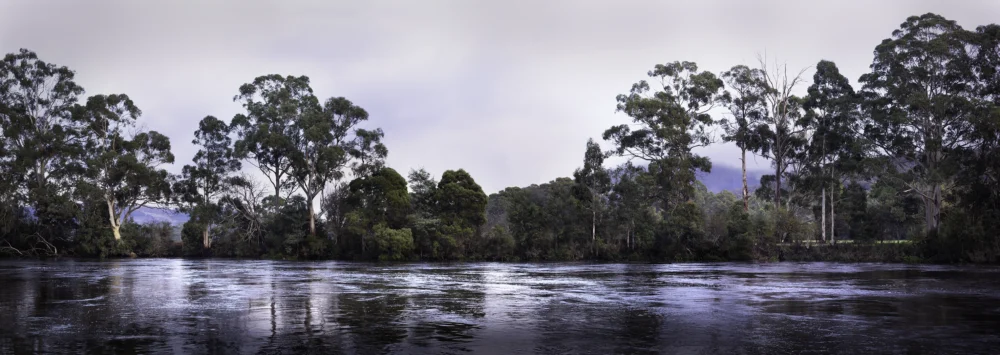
(10,248)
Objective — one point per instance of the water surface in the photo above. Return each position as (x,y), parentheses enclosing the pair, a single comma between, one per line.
(237,306)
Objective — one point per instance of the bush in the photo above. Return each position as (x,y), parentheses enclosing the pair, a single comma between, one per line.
(192,239)
(393,244)
(152,240)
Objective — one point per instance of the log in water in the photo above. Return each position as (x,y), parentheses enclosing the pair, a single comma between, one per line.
(236,306)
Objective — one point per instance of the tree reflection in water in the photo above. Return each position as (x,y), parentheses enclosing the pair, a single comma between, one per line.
(227,306)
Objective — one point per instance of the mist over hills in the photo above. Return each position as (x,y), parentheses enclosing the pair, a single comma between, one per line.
(729,178)
(146,215)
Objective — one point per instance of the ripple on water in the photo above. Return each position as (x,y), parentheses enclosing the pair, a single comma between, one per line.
(244,306)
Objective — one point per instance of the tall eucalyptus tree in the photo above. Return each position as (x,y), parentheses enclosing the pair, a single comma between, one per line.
(744,99)
(918,104)
(123,163)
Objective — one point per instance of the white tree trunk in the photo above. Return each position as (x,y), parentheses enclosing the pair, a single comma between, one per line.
(312,220)
(205,240)
(822,224)
(593,226)
(628,236)
(746,190)
(112,217)
(833,218)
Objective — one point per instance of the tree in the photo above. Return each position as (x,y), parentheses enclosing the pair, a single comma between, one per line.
(368,151)
(778,133)
(322,148)
(461,207)
(41,143)
(267,132)
(971,227)
(831,116)
(672,120)
(917,101)
(594,181)
(630,201)
(122,162)
(243,207)
(203,183)
(745,101)
(334,206)
(380,198)
(36,101)
(423,191)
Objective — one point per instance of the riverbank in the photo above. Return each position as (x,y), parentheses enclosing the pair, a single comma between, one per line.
(844,251)
(851,252)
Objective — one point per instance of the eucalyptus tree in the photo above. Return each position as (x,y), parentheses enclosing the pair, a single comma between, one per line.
(744,99)
(268,131)
(122,162)
(918,106)
(423,189)
(376,200)
(203,184)
(368,152)
(424,221)
(973,236)
(595,182)
(335,208)
(779,135)
(40,137)
(831,116)
(323,145)
(461,206)
(630,201)
(671,118)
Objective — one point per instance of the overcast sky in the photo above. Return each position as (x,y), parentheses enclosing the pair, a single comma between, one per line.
(509,90)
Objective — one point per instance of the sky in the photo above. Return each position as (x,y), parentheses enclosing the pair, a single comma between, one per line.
(509,90)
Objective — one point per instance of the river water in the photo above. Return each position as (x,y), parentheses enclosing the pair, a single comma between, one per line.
(239,306)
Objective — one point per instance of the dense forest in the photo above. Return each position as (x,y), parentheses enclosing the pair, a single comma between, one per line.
(904,168)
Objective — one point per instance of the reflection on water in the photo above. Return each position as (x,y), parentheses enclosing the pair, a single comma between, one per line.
(225,306)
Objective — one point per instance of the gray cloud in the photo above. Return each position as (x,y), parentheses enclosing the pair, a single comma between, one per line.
(509,90)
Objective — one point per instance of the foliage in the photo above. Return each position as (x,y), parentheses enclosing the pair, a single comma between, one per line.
(918,105)
(393,244)
(905,169)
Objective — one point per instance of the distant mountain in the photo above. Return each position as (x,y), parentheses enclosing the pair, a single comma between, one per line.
(146,215)
(729,178)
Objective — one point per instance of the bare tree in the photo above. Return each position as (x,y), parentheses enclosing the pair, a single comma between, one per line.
(781,135)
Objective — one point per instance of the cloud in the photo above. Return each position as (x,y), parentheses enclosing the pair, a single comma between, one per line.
(508,90)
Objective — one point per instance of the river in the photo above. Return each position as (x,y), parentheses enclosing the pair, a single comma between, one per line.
(246,306)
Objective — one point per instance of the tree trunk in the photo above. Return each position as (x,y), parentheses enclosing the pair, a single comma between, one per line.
(114,223)
(593,226)
(632,235)
(932,210)
(39,174)
(312,219)
(746,190)
(627,244)
(277,189)
(205,240)
(822,224)
(833,217)
(777,184)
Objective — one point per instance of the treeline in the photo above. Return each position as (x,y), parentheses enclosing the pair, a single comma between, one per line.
(911,156)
